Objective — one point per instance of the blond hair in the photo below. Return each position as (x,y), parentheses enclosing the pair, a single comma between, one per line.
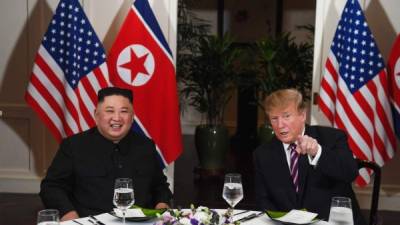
(282,98)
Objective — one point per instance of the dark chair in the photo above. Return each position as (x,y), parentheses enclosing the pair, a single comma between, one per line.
(373,215)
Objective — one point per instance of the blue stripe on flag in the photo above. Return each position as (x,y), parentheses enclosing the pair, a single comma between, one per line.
(147,14)
(396,121)
(137,129)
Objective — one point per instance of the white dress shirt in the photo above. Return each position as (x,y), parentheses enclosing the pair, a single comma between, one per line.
(312,160)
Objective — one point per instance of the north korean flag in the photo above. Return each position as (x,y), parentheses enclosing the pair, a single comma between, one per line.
(140,59)
(394,81)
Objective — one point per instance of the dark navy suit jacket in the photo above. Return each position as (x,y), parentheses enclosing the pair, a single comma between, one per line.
(333,175)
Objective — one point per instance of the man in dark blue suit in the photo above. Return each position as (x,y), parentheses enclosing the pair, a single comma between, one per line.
(303,166)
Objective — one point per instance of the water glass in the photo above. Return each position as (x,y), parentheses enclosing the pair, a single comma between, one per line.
(341,212)
(123,195)
(232,191)
(48,217)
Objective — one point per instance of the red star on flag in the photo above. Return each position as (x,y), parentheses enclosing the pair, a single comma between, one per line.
(136,65)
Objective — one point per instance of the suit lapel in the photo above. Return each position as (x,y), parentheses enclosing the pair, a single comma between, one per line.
(304,165)
(303,172)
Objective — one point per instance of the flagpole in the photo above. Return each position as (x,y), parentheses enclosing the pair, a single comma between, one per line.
(220,17)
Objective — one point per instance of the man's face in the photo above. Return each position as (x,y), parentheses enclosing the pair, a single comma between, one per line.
(287,122)
(114,117)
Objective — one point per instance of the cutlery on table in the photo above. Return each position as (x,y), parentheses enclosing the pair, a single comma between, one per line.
(93,222)
(77,222)
(245,211)
(249,217)
(97,221)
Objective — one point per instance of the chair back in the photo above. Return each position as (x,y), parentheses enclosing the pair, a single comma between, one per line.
(373,214)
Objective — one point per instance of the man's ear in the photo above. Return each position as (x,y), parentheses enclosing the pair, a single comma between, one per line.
(304,114)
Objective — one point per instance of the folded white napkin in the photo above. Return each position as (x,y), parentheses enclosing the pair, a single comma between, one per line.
(130,213)
(298,217)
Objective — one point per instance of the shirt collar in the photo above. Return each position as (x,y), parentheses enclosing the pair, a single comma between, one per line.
(286,145)
(122,145)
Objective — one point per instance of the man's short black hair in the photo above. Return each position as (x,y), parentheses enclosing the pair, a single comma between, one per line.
(108,91)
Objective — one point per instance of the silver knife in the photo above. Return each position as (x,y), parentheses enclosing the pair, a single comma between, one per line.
(249,217)
(96,220)
(244,211)
(77,222)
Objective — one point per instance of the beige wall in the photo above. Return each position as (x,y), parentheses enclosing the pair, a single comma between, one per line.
(26,147)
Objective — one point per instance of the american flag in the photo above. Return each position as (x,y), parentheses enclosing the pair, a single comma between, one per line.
(68,71)
(354,90)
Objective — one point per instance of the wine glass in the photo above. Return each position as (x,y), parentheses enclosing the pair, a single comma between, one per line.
(341,212)
(48,217)
(123,195)
(232,191)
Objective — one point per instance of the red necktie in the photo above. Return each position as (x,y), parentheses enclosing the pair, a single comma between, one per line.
(294,165)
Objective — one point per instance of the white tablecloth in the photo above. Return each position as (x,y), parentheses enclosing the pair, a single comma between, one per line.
(111,220)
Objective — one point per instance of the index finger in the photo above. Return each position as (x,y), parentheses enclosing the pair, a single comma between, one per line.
(300,139)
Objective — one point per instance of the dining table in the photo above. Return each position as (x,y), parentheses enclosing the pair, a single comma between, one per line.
(109,219)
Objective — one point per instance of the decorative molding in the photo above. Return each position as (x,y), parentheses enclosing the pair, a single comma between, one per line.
(389,197)
(20,184)
(22,177)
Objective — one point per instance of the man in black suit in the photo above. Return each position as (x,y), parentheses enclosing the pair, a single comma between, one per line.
(80,180)
(303,166)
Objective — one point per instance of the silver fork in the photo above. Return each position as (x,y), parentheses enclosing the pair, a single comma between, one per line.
(93,222)
(96,220)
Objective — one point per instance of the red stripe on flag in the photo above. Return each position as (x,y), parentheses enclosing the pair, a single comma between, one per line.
(327,86)
(43,115)
(324,108)
(89,89)
(100,78)
(87,116)
(329,90)
(380,146)
(352,144)
(332,70)
(354,119)
(364,105)
(389,130)
(360,181)
(52,102)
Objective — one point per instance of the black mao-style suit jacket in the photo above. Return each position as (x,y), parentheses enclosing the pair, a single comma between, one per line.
(82,174)
(332,176)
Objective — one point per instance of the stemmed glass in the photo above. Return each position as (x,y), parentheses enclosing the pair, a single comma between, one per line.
(48,217)
(233,191)
(123,195)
